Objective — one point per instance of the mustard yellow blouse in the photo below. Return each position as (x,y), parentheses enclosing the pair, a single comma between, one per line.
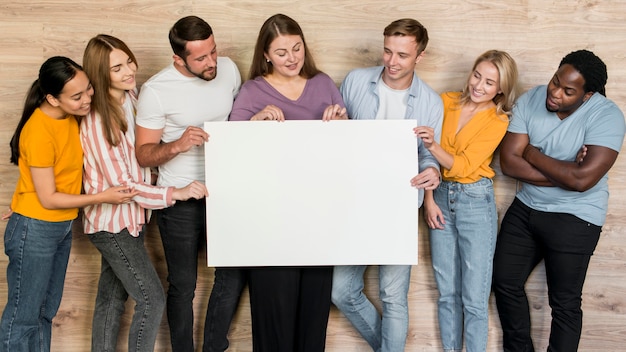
(473,146)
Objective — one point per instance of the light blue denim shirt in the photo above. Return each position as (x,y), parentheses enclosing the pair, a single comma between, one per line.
(360,94)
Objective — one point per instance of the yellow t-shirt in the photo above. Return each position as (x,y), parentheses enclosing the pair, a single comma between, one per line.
(473,146)
(48,142)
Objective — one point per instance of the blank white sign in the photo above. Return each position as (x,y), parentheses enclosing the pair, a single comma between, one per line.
(300,193)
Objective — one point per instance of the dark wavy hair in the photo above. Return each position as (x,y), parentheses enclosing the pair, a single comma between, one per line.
(591,67)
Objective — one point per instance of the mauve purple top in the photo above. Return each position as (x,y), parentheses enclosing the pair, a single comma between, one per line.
(254,95)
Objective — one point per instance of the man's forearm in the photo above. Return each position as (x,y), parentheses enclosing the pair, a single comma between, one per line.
(155,154)
(518,168)
(558,172)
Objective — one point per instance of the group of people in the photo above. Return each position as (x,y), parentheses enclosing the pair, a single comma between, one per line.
(91,124)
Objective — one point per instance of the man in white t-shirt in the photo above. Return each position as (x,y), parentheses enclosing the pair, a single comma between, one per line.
(173,106)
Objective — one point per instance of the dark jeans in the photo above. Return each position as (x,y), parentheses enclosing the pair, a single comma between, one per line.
(183,232)
(227,287)
(290,307)
(565,243)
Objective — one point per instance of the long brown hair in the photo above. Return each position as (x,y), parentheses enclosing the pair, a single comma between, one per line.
(97,64)
(273,27)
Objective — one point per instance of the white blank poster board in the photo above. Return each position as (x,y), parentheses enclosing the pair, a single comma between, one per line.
(311,193)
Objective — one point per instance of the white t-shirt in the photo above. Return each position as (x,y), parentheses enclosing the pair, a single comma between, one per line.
(172,102)
(392,103)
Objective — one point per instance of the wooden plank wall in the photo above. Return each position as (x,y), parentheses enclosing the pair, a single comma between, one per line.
(342,35)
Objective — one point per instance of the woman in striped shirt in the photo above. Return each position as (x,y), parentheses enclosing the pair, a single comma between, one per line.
(108,140)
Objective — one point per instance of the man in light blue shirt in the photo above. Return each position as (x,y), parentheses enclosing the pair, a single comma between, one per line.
(391,91)
(558,213)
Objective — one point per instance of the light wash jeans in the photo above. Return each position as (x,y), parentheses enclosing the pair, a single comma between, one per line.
(462,257)
(38,252)
(386,333)
(126,270)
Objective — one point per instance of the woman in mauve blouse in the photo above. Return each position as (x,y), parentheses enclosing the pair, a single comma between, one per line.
(290,305)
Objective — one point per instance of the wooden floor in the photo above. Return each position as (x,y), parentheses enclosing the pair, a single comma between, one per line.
(342,34)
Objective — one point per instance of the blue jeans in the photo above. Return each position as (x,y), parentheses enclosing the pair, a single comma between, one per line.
(183,233)
(462,258)
(565,243)
(384,333)
(38,252)
(126,270)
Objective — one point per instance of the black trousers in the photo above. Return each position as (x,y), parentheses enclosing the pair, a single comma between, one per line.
(566,243)
(290,308)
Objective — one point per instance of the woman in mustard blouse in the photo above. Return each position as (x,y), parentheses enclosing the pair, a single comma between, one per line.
(461,212)
(46,147)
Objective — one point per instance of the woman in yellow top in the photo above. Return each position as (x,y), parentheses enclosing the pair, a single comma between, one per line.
(46,147)
(461,212)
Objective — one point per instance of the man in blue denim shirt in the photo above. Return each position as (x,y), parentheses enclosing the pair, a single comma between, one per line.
(392,91)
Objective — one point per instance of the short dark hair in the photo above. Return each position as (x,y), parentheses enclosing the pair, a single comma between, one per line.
(591,67)
(188,29)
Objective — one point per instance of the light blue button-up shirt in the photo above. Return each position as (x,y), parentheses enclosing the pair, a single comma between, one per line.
(360,94)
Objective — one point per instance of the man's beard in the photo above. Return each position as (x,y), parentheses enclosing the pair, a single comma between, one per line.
(550,109)
(201,74)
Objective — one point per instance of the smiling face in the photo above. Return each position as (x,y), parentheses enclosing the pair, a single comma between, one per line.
(201,60)
(399,58)
(122,71)
(286,53)
(75,98)
(565,92)
(484,83)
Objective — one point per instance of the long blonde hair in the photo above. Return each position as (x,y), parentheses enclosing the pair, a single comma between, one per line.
(507,69)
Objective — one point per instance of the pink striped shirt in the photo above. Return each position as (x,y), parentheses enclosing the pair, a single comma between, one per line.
(107,166)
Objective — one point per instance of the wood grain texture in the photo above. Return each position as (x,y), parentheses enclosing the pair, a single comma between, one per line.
(342,35)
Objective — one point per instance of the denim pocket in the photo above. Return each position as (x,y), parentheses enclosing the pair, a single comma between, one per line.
(12,227)
(479,192)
